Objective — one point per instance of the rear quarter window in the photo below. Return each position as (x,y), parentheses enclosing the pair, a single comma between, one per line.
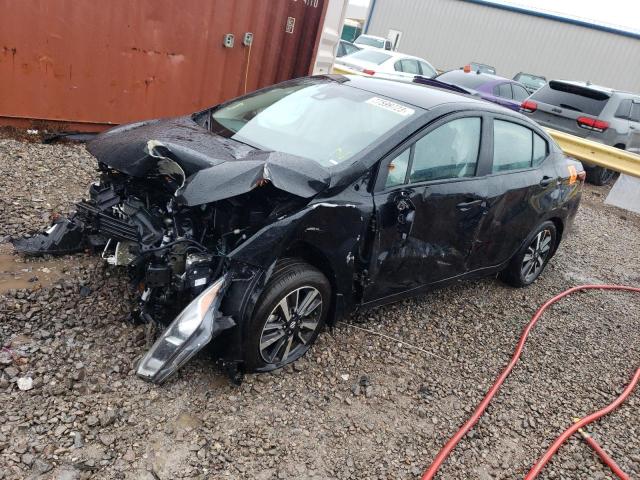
(516,147)
(572,97)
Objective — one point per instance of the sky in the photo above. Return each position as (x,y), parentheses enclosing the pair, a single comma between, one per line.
(623,14)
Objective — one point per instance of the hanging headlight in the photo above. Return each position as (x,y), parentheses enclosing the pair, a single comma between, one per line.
(188,333)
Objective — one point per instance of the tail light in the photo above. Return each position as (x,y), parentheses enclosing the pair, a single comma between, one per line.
(592,124)
(528,106)
(369,72)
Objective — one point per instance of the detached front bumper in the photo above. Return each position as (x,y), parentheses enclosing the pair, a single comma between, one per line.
(191,330)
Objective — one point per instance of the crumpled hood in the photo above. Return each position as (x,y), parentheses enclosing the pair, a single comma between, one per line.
(214,167)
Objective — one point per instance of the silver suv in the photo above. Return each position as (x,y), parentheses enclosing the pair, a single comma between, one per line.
(596,113)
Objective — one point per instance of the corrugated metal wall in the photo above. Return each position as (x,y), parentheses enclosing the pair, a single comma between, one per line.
(94,62)
(450,33)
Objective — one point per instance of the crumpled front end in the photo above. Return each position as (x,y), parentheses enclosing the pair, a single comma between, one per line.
(170,217)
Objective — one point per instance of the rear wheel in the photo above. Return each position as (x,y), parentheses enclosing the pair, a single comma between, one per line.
(527,265)
(600,175)
(288,317)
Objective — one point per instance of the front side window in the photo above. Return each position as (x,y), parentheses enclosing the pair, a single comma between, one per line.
(323,121)
(398,169)
(449,151)
(516,147)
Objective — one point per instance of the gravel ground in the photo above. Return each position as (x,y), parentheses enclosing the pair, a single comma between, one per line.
(358,406)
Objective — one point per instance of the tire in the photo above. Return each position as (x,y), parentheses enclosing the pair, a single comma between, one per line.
(600,176)
(530,261)
(272,340)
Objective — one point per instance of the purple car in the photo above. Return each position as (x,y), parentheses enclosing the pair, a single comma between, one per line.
(492,88)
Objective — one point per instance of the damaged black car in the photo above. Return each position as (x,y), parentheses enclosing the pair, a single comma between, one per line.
(252,225)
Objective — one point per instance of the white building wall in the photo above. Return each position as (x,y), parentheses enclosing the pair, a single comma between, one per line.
(451,33)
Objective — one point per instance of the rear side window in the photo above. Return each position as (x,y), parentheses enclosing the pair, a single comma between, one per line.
(624,109)
(503,90)
(449,151)
(516,147)
(519,93)
(540,149)
(635,112)
(572,97)
(427,70)
(410,66)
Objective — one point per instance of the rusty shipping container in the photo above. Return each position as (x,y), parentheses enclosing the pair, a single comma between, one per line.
(84,65)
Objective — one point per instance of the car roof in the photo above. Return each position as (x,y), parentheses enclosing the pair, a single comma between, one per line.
(484,76)
(418,95)
(599,88)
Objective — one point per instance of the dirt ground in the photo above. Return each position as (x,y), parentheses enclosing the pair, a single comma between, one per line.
(358,406)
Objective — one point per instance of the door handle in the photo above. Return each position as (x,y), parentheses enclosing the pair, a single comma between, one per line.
(465,206)
(546,181)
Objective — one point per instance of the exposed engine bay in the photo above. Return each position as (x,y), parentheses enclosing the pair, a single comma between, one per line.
(171,251)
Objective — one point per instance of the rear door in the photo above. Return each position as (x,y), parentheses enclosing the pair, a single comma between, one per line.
(429,202)
(522,187)
(559,105)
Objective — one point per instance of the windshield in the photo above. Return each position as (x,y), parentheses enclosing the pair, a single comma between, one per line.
(372,56)
(370,41)
(531,80)
(327,122)
(479,67)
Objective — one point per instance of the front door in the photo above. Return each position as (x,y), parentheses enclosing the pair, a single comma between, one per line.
(429,204)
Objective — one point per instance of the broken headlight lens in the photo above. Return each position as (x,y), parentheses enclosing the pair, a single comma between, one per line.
(188,333)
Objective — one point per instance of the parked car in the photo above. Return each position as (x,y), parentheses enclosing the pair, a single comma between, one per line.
(479,68)
(382,64)
(254,223)
(492,88)
(371,41)
(589,111)
(345,48)
(531,82)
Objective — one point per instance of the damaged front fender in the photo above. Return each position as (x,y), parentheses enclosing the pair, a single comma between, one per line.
(191,330)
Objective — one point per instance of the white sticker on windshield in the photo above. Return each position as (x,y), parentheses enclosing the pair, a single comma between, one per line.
(391,106)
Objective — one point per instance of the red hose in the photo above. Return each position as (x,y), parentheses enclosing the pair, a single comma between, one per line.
(610,462)
(468,425)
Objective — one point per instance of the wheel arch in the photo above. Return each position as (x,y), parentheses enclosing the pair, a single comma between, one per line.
(317,258)
(559,224)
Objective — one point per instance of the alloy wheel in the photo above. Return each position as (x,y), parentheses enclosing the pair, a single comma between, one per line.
(607,175)
(291,325)
(536,255)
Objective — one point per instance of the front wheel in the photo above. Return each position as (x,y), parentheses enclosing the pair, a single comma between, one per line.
(527,265)
(288,317)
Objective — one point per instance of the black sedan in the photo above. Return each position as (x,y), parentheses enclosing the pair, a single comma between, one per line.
(251,225)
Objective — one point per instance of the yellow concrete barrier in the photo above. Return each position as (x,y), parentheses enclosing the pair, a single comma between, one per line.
(597,153)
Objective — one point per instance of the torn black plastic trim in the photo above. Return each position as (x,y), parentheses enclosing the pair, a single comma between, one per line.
(63,237)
